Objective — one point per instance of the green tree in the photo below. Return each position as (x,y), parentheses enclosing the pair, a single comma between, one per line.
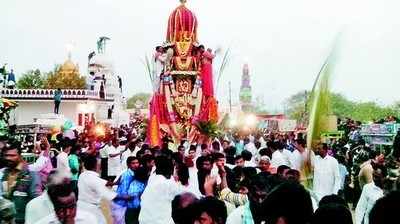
(32,79)
(369,111)
(298,105)
(139,99)
(341,106)
(396,107)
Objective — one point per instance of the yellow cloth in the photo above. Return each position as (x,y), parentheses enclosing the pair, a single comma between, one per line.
(233,198)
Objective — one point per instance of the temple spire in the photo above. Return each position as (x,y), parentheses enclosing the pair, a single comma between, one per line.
(69,47)
(245,94)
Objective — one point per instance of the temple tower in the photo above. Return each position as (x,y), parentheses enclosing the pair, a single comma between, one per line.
(245,95)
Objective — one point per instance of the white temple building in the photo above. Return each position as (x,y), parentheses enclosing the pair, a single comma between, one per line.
(78,105)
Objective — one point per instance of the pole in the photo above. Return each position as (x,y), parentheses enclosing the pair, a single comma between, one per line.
(230,97)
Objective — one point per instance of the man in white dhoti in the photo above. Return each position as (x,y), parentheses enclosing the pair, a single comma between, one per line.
(158,195)
(92,189)
(159,59)
(326,174)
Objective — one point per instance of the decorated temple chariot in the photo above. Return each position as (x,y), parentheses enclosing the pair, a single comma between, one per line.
(183,96)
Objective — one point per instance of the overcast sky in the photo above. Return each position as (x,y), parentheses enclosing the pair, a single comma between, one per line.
(284,41)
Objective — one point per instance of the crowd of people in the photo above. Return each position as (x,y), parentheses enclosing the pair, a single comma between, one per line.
(252,179)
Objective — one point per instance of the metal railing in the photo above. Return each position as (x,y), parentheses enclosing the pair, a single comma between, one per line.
(49,94)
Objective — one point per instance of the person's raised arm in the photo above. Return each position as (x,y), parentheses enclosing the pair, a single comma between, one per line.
(226,194)
(222,174)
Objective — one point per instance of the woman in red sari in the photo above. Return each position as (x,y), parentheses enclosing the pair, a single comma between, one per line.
(207,71)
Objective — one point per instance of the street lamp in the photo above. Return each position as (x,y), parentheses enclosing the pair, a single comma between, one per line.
(232,121)
(250,120)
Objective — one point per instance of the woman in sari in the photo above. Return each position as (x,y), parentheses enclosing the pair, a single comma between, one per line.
(207,71)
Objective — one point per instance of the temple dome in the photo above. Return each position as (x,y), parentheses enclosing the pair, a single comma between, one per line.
(69,66)
(182,25)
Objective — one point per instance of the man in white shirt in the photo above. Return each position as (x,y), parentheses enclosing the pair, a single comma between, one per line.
(158,195)
(92,189)
(326,174)
(114,160)
(249,146)
(287,156)
(300,154)
(262,141)
(370,194)
(42,165)
(57,204)
(62,158)
(104,159)
(248,159)
(65,211)
(159,59)
(131,151)
(277,159)
(281,156)
(38,208)
(42,206)
(81,217)
(190,163)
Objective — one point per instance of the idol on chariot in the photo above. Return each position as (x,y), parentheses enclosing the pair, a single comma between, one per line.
(183,84)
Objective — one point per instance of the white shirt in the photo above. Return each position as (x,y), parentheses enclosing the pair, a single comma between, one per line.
(159,60)
(277,159)
(92,188)
(158,66)
(62,164)
(193,180)
(40,163)
(262,142)
(298,158)
(104,152)
(249,163)
(326,176)
(125,155)
(191,189)
(236,216)
(38,208)
(156,201)
(82,217)
(287,155)
(370,194)
(343,173)
(114,163)
(152,174)
(251,148)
